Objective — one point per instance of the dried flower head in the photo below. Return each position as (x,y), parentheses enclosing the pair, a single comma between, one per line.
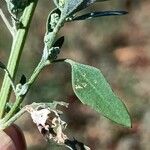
(48,121)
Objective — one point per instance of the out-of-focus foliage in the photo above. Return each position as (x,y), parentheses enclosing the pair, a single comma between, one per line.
(117,45)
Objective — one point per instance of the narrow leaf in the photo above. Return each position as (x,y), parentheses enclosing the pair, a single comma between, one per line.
(99,14)
(86,3)
(92,89)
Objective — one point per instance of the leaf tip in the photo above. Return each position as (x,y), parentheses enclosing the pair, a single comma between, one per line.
(128,122)
(124,12)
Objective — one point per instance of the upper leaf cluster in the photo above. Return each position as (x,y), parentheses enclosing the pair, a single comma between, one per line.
(70,7)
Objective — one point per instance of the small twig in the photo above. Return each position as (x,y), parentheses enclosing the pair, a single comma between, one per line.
(2,66)
(16,51)
(14,118)
(19,99)
(11,80)
(6,22)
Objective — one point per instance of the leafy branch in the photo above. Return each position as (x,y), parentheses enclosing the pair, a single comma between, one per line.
(88,83)
(16,51)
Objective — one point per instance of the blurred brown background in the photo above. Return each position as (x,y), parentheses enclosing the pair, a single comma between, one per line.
(119,46)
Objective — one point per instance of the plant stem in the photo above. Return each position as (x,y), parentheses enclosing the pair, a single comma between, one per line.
(11,80)
(35,73)
(14,118)
(20,98)
(6,22)
(16,51)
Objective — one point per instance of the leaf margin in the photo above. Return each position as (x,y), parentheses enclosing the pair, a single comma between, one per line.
(128,123)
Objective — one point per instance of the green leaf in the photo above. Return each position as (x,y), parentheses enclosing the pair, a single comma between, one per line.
(92,89)
(70,6)
(99,14)
(86,3)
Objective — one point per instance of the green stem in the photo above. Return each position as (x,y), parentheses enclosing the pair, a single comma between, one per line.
(16,51)
(14,118)
(35,73)
(19,99)
(6,22)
